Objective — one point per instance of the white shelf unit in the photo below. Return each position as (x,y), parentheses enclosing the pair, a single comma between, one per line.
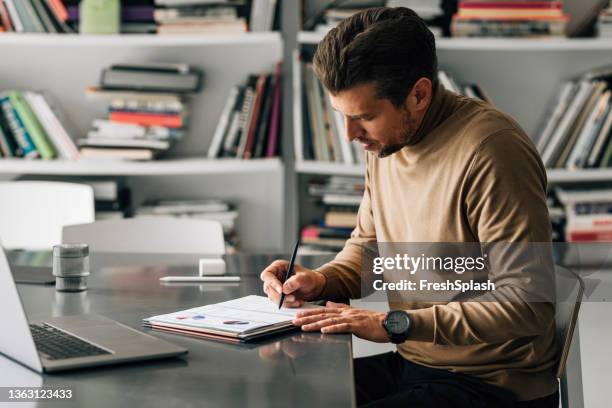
(63,66)
(93,167)
(130,40)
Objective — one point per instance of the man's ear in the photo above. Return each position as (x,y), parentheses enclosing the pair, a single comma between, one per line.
(419,97)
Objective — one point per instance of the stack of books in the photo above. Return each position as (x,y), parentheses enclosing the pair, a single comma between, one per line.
(330,17)
(577,131)
(30,128)
(470,90)
(207,209)
(323,127)
(112,198)
(604,22)
(338,198)
(136,16)
(200,17)
(477,18)
(249,126)
(34,16)
(147,110)
(215,16)
(589,214)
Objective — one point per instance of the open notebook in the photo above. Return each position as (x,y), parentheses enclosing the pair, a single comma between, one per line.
(239,320)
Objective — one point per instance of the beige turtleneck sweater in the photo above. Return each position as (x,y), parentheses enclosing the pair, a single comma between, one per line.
(470,174)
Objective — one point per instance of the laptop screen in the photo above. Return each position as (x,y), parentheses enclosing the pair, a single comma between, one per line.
(16,341)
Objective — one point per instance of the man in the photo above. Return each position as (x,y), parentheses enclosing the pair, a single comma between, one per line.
(439,168)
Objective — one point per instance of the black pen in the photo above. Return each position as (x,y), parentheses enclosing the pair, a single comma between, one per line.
(289,271)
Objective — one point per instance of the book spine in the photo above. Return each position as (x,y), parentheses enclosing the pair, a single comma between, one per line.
(44,122)
(43,17)
(147,119)
(148,106)
(583,142)
(59,9)
(223,124)
(60,137)
(255,116)
(5,147)
(317,139)
(245,116)
(328,119)
(554,117)
(258,15)
(298,109)
(232,135)
(28,150)
(31,124)
(154,111)
(275,117)
(318,106)
(5,18)
(56,24)
(13,149)
(552,150)
(578,127)
(602,140)
(264,123)
(14,15)
(594,139)
(32,17)
(511,4)
(589,236)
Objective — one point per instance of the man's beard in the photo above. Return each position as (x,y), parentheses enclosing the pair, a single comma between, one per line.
(403,137)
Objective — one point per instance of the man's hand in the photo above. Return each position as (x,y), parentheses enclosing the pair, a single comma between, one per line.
(341,318)
(303,285)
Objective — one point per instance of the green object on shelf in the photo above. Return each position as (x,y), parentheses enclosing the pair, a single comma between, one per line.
(99,17)
(32,125)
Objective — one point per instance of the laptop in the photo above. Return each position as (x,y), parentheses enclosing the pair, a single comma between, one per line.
(64,343)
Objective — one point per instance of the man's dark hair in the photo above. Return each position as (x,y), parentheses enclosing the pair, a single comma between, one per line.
(391,47)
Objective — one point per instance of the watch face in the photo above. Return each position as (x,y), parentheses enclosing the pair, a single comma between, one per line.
(397,322)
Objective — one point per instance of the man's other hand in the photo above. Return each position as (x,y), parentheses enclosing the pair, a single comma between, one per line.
(341,318)
(303,285)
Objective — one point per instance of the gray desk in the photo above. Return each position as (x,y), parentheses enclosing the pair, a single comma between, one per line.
(294,370)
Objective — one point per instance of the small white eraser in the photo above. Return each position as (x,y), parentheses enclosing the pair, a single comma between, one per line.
(212,267)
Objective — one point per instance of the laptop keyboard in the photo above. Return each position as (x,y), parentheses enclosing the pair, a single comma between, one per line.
(58,345)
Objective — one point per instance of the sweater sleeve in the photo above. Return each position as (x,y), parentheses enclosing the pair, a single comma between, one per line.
(343,274)
(505,206)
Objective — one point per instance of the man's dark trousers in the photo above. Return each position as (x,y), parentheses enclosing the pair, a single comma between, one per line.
(389,380)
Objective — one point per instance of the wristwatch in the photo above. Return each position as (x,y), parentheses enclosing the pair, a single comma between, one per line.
(397,325)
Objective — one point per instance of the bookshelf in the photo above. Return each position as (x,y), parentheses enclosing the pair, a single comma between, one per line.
(533,71)
(63,66)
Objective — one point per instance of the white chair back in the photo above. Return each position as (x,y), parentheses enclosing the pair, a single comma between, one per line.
(32,213)
(149,234)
